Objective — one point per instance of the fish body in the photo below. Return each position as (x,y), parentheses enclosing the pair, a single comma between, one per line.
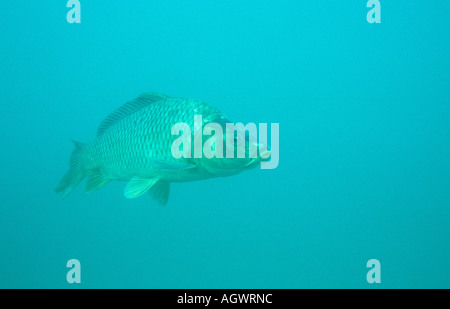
(134,144)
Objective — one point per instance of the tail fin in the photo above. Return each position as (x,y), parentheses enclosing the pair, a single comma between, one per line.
(75,174)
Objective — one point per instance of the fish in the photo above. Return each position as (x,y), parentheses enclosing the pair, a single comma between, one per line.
(134,144)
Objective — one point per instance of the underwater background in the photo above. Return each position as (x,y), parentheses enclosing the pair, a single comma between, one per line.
(364,167)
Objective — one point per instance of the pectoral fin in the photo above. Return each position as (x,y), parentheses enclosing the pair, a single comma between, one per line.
(138,186)
(160,192)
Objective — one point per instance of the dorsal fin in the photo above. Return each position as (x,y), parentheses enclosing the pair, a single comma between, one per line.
(129,108)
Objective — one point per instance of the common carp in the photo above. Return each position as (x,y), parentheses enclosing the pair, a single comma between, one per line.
(134,144)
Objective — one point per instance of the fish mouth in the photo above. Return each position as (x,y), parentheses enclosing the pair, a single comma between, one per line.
(263,156)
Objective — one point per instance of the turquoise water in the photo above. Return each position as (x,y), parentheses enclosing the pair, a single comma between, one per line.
(364,167)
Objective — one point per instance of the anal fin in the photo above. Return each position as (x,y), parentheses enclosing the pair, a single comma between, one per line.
(160,192)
